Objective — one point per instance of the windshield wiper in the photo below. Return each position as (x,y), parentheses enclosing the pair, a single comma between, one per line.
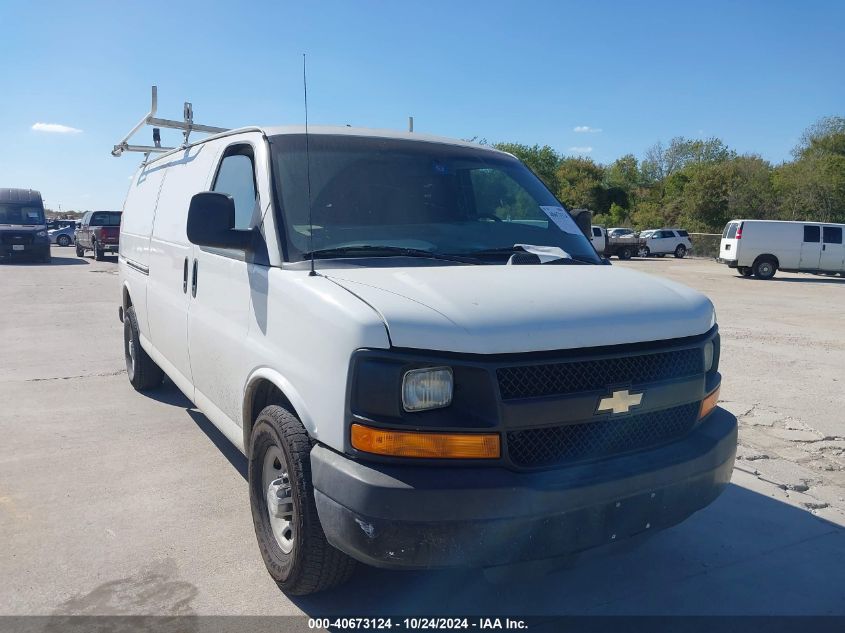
(517,248)
(372,250)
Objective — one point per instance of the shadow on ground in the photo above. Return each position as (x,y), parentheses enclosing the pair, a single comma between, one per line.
(746,554)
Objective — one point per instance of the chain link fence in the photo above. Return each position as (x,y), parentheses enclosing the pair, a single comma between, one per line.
(705,245)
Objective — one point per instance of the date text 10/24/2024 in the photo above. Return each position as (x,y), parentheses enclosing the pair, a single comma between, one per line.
(421,623)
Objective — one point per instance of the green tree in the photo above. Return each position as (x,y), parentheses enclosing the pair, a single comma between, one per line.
(581,185)
(543,161)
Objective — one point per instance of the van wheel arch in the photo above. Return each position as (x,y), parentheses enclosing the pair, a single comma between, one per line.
(262,393)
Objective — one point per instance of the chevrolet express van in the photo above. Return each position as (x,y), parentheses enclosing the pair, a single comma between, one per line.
(760,248)
(422,357)
(23,228)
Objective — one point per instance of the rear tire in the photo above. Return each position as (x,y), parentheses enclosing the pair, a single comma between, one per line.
(99,254)
(624,253)
(765,268)
(143,373)
(681,251)
(295,550)
(80,252)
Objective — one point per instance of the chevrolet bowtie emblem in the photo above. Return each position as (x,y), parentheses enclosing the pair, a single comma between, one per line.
(620,402)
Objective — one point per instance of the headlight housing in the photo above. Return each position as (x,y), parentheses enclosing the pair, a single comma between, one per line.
(42,234)
(427,388)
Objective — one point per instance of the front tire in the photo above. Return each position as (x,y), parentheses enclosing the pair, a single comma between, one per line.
(645,251)
(63,240)
(143,373)
(625,253)
(292,542)
(681,251)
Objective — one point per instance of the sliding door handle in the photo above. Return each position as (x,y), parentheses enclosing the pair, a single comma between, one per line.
(185,276)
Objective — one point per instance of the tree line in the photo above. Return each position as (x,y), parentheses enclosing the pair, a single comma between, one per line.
(700,184)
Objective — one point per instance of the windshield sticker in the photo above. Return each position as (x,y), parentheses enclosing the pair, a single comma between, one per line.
(561,218)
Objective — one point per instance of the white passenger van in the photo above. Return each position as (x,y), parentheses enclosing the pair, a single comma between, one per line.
(423,359)
(762,247)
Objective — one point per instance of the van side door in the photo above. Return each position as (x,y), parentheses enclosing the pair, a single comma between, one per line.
(833,251)
(222,288)
(168,283)
(811,248)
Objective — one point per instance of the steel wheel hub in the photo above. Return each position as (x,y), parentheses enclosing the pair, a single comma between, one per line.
(276,484)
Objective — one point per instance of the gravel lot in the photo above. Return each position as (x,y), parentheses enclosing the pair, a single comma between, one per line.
(116,503)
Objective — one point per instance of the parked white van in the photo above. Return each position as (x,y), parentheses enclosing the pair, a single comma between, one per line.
(423,359)
(762,247)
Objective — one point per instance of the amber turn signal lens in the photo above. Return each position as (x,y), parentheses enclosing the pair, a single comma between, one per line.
(422,444)
(709,403)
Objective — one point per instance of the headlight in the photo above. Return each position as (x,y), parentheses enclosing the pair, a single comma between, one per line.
(42,234)
(708,356)
(427,388)
(713,318)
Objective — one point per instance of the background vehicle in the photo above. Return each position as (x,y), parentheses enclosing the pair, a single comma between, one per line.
(99,232)
(64,235)
(762,247)
(599,238)
(52,225)
(661,242)
(23,229)
(620,231)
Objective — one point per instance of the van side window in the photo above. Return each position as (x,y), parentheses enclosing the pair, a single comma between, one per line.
(811,233)
(832,235)
(236,177)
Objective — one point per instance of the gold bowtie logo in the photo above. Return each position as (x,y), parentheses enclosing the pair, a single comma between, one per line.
(620,402)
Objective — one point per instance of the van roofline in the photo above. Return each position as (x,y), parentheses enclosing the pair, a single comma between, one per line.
(811,222)
(333,130)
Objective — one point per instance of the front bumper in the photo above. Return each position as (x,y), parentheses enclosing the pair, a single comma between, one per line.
(35,249)
(423,517)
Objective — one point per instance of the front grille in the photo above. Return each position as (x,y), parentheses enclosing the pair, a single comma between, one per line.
(8,237)
(553,379)
(558,445)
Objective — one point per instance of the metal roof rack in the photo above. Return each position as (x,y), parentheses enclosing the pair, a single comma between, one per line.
(187,126)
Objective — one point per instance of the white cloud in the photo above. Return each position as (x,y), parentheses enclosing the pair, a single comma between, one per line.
(581,150)
(585,128)
(55,128)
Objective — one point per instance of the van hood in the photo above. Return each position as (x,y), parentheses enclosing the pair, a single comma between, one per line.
(508,309)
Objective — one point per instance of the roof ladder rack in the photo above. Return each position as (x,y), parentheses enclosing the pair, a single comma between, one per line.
(187,126)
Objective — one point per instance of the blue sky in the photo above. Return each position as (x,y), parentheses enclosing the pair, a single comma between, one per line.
(754,73)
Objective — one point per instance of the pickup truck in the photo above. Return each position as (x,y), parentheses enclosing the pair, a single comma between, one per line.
(99,232)
(623,243)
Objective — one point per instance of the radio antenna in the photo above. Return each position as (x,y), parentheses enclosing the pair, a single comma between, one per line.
(308,169)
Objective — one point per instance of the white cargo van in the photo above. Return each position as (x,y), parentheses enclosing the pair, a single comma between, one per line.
(423,359)
(762,247)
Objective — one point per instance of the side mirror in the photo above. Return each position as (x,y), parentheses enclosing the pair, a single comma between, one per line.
(211,222)
(584,219)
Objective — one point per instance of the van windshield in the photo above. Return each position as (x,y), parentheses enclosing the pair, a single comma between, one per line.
(21,214)
(415,195)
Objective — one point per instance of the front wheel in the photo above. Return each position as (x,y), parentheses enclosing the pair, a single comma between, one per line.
(645,251)
(284,513)
(63,240)
(681,251)
(625,253)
